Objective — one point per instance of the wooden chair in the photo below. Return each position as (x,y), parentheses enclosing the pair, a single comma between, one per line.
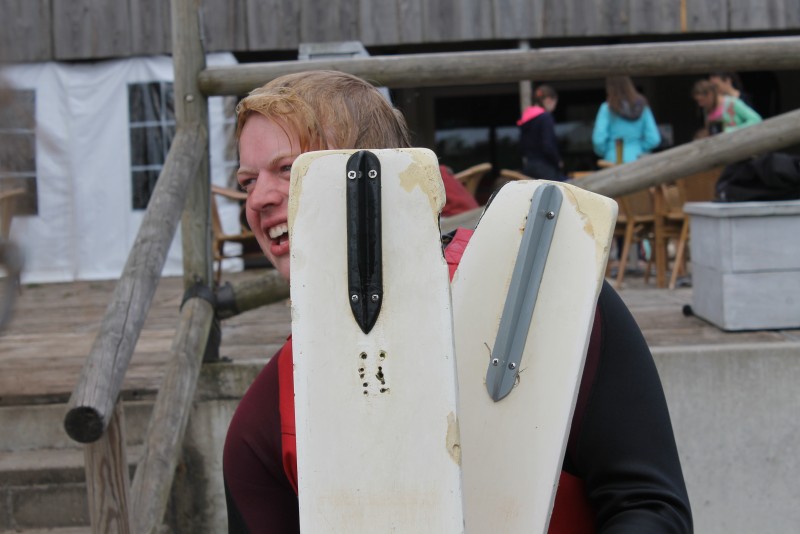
(245,237)
(510,176)
(471,177)
(7,197)
(10,257)
(698,187)
(635,223)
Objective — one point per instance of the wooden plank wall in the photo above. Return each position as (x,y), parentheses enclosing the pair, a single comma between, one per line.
(40,30)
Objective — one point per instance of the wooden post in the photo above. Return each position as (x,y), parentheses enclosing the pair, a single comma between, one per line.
(98,387)
(509,66)
(525,86)
(165,433)
(107,479)
(233,299)
(191,112)
(715,151)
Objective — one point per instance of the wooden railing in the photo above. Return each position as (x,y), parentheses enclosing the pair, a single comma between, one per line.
(95,414)
(506,66)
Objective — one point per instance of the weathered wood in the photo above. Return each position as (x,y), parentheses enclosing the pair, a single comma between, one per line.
(153,479)
(107,480)
(707,15)
(456,20)
(718,150)
(762,15)
(25,34)
(409,13)
(233,299)
(654,17)
(475,19)
(93,398)
(567,63)
(514,20)
(85,29)
(379,23)
(333,20)
(191,113)
(224,25)
(150,27)
(272,24)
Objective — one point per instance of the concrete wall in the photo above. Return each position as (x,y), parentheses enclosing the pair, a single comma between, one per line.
(734,411)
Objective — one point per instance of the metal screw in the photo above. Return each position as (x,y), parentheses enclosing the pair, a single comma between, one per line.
(189,98)
(354,298)
(512,365)
(495,361)
(550,215)
(351,175)
(375,298)
(373,173)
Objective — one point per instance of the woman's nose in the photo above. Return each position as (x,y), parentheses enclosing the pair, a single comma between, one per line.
(264,193)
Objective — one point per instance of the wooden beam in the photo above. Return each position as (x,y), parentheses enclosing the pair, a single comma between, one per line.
(718,150)
(191,112)
(250,294)
(155,472)
(98,387)
(508,66)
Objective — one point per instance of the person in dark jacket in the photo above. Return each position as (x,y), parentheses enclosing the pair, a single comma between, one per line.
(537,138)
(621,472)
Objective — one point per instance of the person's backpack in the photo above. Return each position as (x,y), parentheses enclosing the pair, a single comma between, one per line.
(774,176)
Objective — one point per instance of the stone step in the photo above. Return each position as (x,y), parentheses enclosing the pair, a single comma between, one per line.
(46,489)
(29,427)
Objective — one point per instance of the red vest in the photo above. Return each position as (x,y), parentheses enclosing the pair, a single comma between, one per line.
(572,513)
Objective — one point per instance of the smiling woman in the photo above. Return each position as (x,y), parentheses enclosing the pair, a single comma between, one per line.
(267,150)
(623,463)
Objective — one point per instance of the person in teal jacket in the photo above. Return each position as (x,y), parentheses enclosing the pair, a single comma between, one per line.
(624,115)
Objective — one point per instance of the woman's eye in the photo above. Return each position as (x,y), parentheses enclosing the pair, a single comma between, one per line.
(246,185)
(286,168)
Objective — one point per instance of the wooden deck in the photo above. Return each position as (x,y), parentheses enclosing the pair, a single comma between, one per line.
(54,325)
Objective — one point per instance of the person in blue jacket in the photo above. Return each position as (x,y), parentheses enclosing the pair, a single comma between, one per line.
(624,115)
(537,138)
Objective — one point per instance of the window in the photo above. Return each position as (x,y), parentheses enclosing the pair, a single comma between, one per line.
(18,147)
(152,128)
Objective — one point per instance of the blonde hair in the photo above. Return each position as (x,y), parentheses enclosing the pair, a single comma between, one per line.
(328,109)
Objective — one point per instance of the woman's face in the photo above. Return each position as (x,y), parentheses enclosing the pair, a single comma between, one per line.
(549,103)
(705,100)
(266,153)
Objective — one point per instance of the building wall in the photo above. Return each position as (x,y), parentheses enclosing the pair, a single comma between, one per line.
(63,30)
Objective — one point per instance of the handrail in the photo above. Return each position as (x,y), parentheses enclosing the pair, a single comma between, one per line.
(714,151)
(154,473)
(507,66)
(92,402)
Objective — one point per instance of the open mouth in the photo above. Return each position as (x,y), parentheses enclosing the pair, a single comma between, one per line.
(279,234)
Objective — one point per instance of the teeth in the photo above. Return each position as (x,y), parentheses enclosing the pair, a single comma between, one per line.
(277,231)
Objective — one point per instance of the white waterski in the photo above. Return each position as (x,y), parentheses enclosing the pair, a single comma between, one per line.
(374,370)
(513,447)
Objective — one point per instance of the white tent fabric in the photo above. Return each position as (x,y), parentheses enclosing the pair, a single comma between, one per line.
(85,224)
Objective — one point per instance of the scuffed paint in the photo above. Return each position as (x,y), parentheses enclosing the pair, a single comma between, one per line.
(594,210)
(423,172)
(453,438)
